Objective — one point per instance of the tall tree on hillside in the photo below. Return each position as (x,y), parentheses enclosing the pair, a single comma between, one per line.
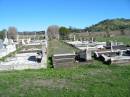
(12,33)
(107,29)
(122,29)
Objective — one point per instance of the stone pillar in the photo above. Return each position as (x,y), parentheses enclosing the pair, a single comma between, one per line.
(121,52)
(92,39)
(88,54)
(81,39)
(111,46)
(74,38)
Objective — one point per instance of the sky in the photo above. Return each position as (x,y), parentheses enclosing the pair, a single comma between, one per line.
(35,15)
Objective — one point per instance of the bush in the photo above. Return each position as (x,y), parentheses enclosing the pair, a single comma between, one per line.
(50,62)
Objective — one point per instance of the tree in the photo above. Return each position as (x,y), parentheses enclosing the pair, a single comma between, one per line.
(2,34)
(107,28)
(76,30)
(12,33)
(122,29)
(64,32)
(53,32)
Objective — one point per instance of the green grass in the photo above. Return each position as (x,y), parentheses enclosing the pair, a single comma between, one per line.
(32,46)
(124,39)
(94,80)
(59,47)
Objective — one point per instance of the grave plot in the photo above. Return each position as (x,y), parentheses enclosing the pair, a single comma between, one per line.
(60,54)
(29,57)
(114,57)
(63,60)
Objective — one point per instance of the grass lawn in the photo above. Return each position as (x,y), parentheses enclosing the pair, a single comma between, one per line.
(33,46)
(124,39)
(94,80)
(59,47)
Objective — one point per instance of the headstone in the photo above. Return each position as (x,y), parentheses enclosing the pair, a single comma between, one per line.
(6,41)
(92,39)
(121,52)
(111,46)
(88,54)
(1,44)
(74,38)
(23,42)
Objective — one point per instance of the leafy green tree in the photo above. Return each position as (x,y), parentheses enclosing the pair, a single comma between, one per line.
(64,32)
(2,34)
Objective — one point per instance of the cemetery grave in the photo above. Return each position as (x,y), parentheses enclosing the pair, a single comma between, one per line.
(26,58)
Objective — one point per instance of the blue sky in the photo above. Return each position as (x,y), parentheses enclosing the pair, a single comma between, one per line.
(29,15)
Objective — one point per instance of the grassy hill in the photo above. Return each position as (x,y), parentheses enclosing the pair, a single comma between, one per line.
(110,24)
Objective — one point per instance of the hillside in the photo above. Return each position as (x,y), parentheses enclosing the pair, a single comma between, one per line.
(110,24)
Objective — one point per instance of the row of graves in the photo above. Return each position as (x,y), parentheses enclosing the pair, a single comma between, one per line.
(86,49)
(30,56)
(84,53)
(114,53)
(107,52)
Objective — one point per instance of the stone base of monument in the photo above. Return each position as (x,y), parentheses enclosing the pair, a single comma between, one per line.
(63,60)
